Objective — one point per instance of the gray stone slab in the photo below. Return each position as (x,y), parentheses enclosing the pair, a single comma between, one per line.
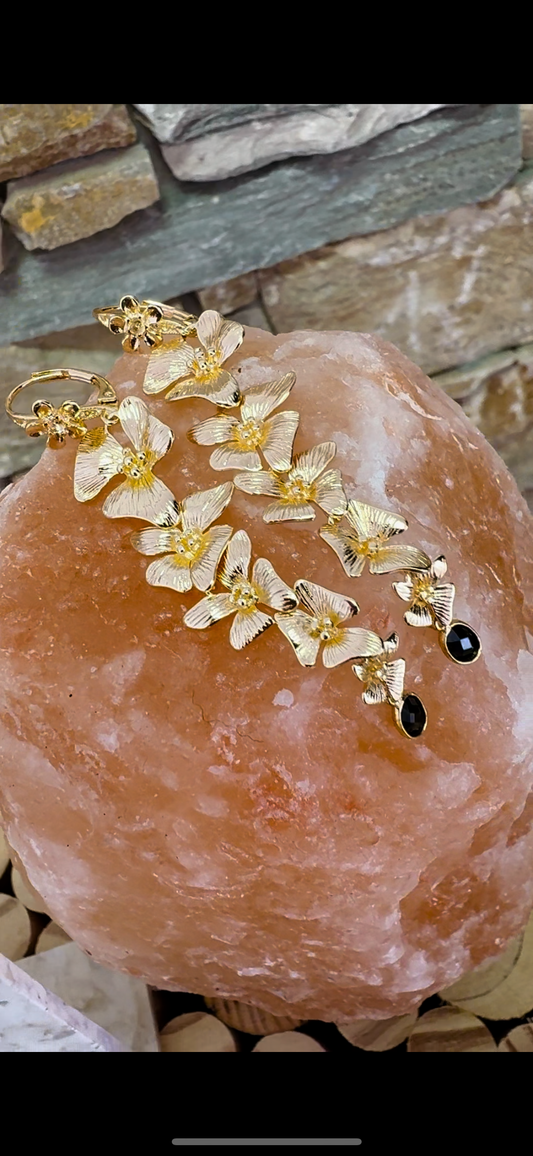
(173,122)
(199,234)
(202,153)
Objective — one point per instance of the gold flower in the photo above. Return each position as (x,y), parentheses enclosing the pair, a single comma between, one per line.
(244,595)
(57,423)
(431,603)
(320,624)
(301,486)
(101,457)
(192,550)
(140,321)
(367,538)
(202,367)
(383,679)
(241,439)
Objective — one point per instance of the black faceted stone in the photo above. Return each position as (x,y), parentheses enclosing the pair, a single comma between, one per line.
(413,716)
(462,643)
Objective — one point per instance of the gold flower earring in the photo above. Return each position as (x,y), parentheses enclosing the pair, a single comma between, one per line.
(383,678)
(144,323)
(68,420)
(431,604)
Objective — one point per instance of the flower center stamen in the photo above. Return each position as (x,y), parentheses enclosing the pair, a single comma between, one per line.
(326,629)
(249,434)
(296,490)
(136,466)
(206,364)
(188,546)
(243,595)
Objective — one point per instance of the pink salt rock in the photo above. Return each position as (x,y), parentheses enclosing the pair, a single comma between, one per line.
(232,824)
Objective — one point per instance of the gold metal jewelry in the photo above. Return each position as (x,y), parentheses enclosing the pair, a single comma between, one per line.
(383,678)
(241,438)
(145,322)
(366,539)
(198,372)
(57,423)
(190,551)
(300,487)
(431,604)
(244,595)
(101,457)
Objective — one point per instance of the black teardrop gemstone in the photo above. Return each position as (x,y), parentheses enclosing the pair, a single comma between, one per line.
(462,643)
(413,717)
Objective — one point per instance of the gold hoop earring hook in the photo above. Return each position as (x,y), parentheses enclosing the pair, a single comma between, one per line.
(57,423)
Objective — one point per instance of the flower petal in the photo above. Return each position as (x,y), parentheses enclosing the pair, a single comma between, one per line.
(404,589)
(391,643)
(247,626)
(390,558)
(260,400)
(99,459)
(214,431)
(297,627)
(419,615)
(152,314)
(208,611)
(154,541)
(206,506)
(159,437)
(152,501)
(261,482)
(273,591)
(346,547)
(113,318)
(208,328)
(322,602)
(204,569)
(231,458)
(129,304)
(375,692)
(311,463)
(133,415)
(168,572)
(353,643)
(237,559)
(329,493)
(288,512)
(442,603)
(438,567)
(278,443)
(223,390)
(394,674)
(167,366)
(371,522)
(231,335)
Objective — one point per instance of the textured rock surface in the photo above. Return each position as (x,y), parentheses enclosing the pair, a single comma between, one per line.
(497,394)
(175,122)
(33,136)
(226,296)
(78,198)
(445,288)
(260,140)
(199,235)
(526,114)
(228,823)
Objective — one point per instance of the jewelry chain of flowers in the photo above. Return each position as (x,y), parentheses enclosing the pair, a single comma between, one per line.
(192,550)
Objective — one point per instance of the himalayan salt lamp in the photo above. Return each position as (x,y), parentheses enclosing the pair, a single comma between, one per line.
(231,824)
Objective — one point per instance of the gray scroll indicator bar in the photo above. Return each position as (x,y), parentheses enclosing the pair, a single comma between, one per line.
(263,1141)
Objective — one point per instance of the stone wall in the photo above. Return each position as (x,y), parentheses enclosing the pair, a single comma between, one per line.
(414,221)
